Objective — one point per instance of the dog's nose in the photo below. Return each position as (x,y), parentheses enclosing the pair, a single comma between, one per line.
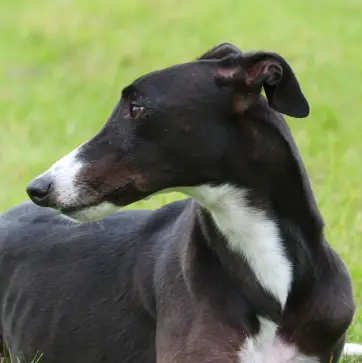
(39,190)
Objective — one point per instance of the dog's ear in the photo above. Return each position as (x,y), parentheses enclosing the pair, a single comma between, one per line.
(221,51)
(248,73)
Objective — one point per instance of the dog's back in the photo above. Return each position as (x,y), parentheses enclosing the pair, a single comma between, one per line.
(79,294)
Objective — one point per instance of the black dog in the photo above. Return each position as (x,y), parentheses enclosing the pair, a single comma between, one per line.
(239,273)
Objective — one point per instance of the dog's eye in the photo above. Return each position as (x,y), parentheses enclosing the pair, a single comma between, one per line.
(135,110)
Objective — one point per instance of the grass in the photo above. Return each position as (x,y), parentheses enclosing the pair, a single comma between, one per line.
(63,63)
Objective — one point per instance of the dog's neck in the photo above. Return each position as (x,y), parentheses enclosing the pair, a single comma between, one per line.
(290,193)
(250,234)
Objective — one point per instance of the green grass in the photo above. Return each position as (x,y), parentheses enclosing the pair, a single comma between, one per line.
(63,64)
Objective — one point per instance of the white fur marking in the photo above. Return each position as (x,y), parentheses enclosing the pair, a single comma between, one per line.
(267,347)
(63,174)
(250,233)
(67,191)
(94,213)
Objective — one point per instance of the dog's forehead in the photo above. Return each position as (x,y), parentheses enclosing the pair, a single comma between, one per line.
(178,78)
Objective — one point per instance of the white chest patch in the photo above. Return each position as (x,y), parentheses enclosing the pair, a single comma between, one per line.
(250,233)
(267,347)
(255,236)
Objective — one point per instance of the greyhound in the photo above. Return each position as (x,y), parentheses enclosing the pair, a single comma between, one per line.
(238,272)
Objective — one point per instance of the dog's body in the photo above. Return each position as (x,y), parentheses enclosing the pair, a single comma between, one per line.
(98,294)
(239,273)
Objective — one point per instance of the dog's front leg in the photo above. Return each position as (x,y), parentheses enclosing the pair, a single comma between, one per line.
(188,336)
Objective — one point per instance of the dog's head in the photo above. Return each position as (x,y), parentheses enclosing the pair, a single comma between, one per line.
(202,122)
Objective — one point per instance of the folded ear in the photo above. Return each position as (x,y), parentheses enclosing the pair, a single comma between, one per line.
(220,51)
(249,73)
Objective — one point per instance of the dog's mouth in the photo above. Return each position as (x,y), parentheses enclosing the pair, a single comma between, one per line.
(76,209)
(89,213)
(103,205)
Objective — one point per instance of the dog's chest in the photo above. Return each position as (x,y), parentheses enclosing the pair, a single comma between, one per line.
(267,347)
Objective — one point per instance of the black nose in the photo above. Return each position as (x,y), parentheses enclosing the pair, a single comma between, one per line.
(39,190)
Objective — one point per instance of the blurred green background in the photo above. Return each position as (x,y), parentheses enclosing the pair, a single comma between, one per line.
(63,64)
